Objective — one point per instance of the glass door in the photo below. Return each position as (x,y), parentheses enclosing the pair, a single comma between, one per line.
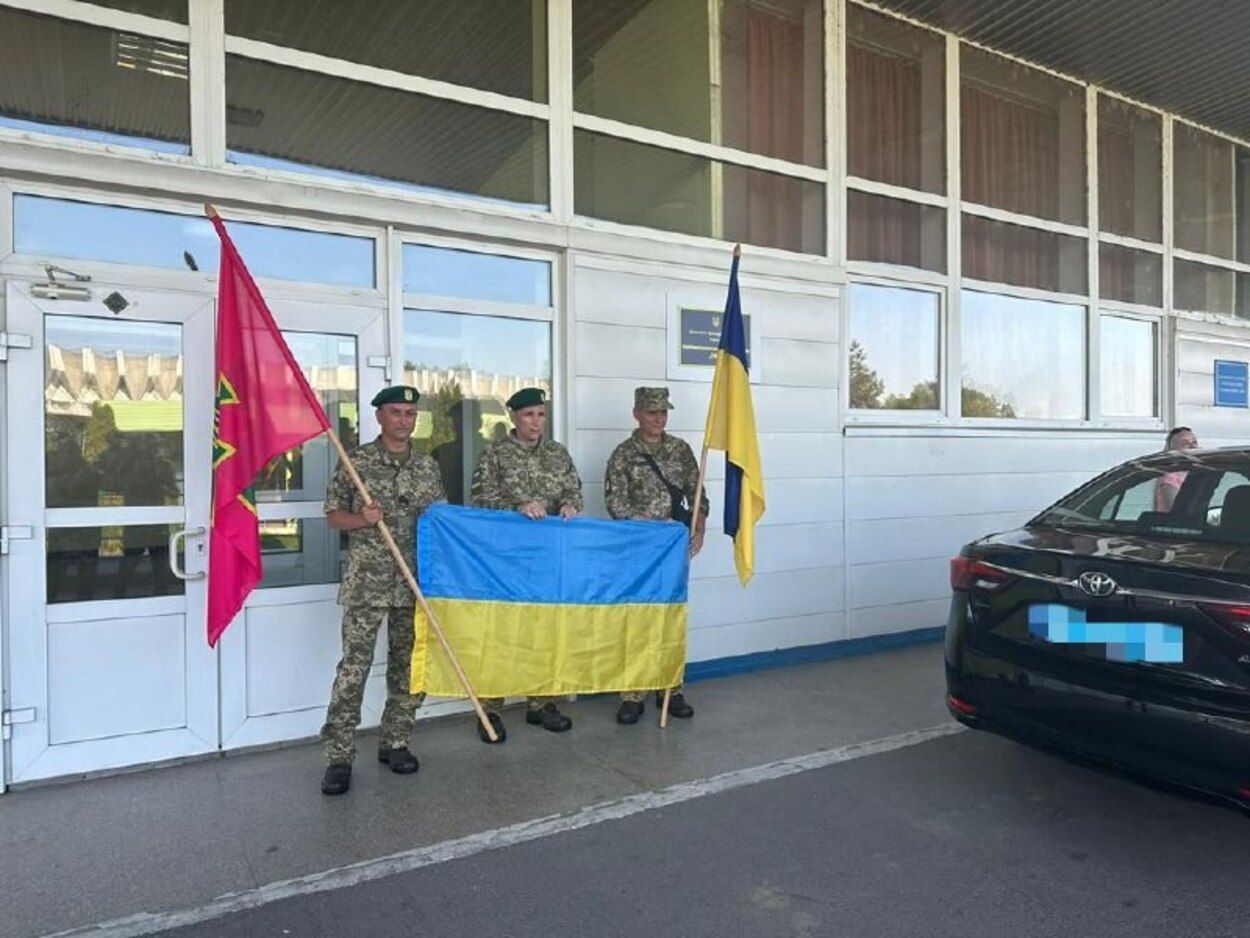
(110,418)
(278,657)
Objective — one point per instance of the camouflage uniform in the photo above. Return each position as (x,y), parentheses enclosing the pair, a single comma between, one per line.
(633,490)
(511,473)
(373,589)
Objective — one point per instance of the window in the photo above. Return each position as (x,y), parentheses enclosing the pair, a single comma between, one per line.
(1128,356)
(1022,358)
(289,119)
(895,231)
(60,228)
(1130,171)
(1202,199)
(81,81)
(1023,139)
(636,184)
(1130,276)
(894,348)
(741,73)
(475,276)
(1202,288)
(895,100)
(1023,256)
(466,366)
(495,45)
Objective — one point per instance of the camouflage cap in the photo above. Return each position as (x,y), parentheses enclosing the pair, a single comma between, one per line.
(527,397)
(398,394)
(652,399)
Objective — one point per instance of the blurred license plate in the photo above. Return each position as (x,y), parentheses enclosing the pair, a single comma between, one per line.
(1156,642)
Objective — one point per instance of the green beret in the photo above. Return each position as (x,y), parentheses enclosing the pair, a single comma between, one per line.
(652,399)
(527,397)
(398,394)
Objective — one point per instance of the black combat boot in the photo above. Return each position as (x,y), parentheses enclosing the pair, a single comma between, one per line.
(549,718)
(677,705)
(401,761)
(629,711)
(496,723)
(338,779)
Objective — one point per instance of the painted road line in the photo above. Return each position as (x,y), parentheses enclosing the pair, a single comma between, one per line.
(146,923)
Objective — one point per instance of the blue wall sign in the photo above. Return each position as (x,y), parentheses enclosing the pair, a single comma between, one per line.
(700,335)
(1232,384)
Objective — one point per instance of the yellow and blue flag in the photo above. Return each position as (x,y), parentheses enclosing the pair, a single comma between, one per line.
(731,428)
(550,607)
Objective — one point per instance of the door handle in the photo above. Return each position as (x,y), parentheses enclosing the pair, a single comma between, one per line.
(181,535)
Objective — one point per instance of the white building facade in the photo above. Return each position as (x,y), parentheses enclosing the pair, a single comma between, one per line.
(972,283)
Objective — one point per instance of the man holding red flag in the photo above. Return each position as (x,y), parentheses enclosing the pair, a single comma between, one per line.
(264,407)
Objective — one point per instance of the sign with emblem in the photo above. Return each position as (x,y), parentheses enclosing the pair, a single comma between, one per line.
(699,335)
(1232,384)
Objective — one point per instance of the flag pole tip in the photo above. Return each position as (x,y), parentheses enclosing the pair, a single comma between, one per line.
(210,211)
(737,250)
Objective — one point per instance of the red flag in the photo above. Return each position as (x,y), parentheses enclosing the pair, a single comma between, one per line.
(264,407)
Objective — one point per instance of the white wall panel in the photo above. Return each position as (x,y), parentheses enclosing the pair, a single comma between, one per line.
(790,362)
(715,603)
(927,496)
(897,581)
(884,620)
(891,539)
(744,638)
(777,548)
(620,299)
(614,351)
(924,455)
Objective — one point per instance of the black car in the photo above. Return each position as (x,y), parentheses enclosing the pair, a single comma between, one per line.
(1116,624)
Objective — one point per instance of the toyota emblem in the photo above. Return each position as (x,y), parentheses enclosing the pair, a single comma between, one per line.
(1095,583)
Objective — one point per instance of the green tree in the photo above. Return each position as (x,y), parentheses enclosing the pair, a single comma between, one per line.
(978,403)
(867,387)
(924,396)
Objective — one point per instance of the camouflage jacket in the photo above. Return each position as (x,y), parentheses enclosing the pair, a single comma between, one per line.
(509,474)
(631,487)
(404,486)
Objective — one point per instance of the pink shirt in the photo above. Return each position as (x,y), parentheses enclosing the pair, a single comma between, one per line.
(1169,480)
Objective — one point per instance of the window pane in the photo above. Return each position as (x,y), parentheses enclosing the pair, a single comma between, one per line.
(894,231)
(1202,196)
(1130,276)
(173,10)
(895,99)
(113,413)
(1130,170)
(653,62)
(1022,358)
(329,364)
(475,276)
(465,367)
(637,184)
(1202,288)
(496,45)
(1129,366)
(1026,257)
(284,118)
(91,83)
(300,552)
(111,562)
(1023,138)
(894,348)
(60,228)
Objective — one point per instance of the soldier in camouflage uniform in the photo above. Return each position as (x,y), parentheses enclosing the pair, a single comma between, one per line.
(648,477)
(403,483)
(527,473)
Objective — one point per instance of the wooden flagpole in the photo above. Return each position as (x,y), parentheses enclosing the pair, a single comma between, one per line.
(698,498)
(402,562)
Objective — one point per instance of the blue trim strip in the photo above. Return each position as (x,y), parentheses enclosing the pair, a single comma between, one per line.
(805,654)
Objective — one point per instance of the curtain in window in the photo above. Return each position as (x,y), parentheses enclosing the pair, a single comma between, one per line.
(774,124)
(883,115)
(1010,153)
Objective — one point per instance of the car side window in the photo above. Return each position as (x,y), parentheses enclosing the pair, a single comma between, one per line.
(1215,507)
(1132,503)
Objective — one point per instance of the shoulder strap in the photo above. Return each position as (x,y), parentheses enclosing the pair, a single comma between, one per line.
(673,491)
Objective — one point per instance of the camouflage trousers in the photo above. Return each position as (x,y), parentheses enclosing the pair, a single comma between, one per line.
(360,635)
(495,704)
(640,695)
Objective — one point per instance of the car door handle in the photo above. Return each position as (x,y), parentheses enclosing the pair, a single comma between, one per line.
(181,535)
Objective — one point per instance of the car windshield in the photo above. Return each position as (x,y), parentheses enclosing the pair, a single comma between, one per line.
(1202,496)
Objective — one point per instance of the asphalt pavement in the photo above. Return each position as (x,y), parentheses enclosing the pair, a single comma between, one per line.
(966,835)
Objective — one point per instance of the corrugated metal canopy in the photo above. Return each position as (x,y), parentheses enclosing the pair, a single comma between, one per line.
(1191,57)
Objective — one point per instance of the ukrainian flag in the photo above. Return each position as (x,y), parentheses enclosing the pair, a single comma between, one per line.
(731,428)
(550,607)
